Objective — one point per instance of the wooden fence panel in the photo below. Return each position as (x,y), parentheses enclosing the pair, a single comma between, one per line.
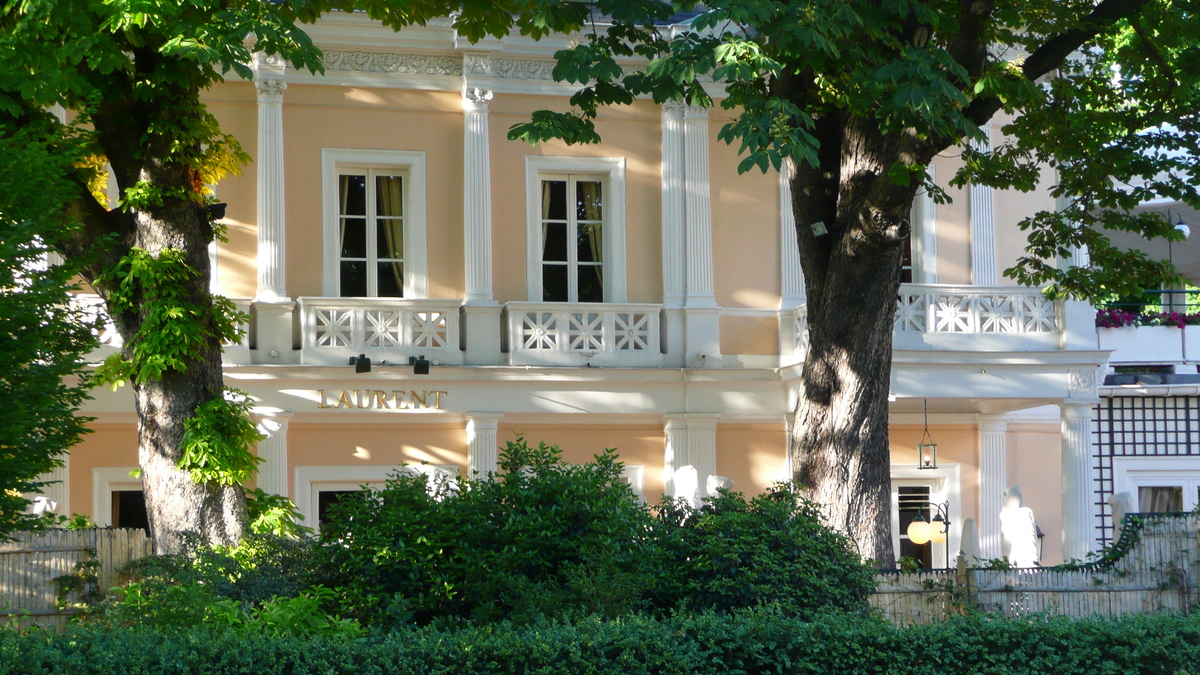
(32,561)
(1158,573)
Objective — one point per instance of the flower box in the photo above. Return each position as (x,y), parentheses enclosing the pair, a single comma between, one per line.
(1145,344)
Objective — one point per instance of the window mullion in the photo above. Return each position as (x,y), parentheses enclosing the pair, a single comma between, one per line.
(372,238)
(572,242)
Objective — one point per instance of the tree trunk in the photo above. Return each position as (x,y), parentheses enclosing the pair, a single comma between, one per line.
(177,506)
(839,444)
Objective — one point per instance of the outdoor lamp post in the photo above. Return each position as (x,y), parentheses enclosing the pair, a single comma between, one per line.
(935,530)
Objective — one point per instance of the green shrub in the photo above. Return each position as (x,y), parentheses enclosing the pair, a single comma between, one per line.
(746,641)
(546,539)
(542,538)
(775,549)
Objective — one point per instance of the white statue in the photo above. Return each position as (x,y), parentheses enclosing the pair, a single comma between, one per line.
(969,547)
(1018,530)
(716,482)
(42,505)
(1121,503)
(687,485)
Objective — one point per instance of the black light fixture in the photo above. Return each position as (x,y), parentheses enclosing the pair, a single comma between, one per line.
(361,363)
(926,449)
(216,211)
(420,364)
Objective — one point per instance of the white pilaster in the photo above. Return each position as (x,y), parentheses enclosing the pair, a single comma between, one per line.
(1079,254)
(273,471)
(59,489)
(477,197)
(1079,532)
(698,206)
(924,235)
(272,284)
(993,477)
(792,293)
(983,235)
(702,318)
(482,443)
(691,441)
(673,204)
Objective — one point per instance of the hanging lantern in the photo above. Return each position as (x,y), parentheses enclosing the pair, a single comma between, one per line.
(927,449)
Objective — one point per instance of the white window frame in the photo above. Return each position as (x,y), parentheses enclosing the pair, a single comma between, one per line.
(611,171)
(312,480)
(408,163)
(1130,473)
(945,485)
(105,481)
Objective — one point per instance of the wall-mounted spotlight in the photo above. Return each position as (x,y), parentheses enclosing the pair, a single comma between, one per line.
(361,363)
(216,211)
(420,364)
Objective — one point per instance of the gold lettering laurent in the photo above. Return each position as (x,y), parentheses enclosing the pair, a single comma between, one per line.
(419,399)
(344,400)
(381,399)
(398,401)
(437,399)
(321,399)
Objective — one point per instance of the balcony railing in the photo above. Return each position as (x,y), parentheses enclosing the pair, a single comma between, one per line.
(577,334)
(334,329)
(968,318)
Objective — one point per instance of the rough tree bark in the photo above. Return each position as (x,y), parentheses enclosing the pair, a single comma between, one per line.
(852,274)
(175,504)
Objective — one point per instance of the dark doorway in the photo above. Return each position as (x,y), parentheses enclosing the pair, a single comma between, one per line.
(129,509)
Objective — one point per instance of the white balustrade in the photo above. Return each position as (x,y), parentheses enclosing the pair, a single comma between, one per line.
(967,318)
(334,329)
(967,309)
(576,334)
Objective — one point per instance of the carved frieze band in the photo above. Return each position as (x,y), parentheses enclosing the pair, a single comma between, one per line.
(400,64)
(476,64)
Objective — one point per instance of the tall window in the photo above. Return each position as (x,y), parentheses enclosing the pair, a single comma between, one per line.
(373,215)
(371,234)
(572,223)
(575,229)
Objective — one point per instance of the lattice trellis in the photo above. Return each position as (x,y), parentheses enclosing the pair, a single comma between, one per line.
(383,328)
(585,332)
(1139,426)
(430,330)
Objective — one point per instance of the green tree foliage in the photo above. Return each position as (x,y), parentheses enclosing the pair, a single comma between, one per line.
(42,339)
(547,539)
(1103,99)
(1099,103)
(130,73)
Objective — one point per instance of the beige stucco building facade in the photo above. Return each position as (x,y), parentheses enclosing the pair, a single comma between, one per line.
(658,308)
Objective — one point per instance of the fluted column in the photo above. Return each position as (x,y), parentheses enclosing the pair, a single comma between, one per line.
(792,276)
(702,448)
(698,205)
(983,235)
(1079,533)
(691,441)
(993,472)
(59,488)
(272,283)
(673,204)
(482,443)
(477,197)
(676,455)
(273,471)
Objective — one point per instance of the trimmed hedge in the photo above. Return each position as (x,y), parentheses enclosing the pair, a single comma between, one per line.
(755,641)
